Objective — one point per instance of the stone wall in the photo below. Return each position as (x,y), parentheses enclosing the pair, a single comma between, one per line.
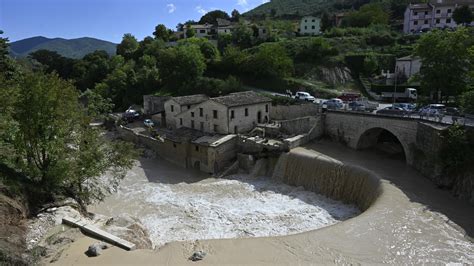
(287,112)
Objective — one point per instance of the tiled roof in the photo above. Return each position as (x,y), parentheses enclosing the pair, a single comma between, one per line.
(451,2)
(190,99)
(241,98)
(223,22)
(420,6)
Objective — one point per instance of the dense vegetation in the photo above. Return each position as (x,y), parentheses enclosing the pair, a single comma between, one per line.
(46,144)
(75,48)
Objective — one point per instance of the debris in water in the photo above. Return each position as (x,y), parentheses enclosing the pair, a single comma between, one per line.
(197,256)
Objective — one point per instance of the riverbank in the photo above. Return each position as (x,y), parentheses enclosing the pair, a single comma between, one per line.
(412,222)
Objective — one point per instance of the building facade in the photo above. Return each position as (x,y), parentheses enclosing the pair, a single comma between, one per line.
(177,105)
(310,26)
(231,114)
(434,14)
(408,66)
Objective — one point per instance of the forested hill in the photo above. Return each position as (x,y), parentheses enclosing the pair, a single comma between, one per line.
(73,48)
(282,8)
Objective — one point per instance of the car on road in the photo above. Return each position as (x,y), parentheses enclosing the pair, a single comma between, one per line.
(432,110)
(301,95)
(356,106)
(349,96)
(392,110)
(452,111)
(148,123)
(406,106)
(333,104)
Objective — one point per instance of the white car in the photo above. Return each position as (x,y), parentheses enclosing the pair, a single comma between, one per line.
(333,104)
(432,110)
(301,95)
(148,123)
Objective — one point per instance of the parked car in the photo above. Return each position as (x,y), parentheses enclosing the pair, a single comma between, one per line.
(406,106)
(349,96)
(356,106)
(148,123)
(452,111)
(301,95)
(432,110)
(131,115)
(333,104)
(392,110)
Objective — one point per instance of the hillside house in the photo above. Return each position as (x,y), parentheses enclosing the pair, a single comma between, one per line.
(310,25)
(177,105)
(231,114)
(434,14)
(408,66)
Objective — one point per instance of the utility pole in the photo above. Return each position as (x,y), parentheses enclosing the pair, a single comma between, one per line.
(395,87)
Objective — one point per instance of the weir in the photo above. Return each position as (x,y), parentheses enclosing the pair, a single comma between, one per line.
(321,174)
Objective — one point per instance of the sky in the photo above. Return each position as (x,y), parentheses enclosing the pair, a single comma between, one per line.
(104,19)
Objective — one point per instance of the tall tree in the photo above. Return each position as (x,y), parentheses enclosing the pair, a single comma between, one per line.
(235,15)
(128,46)
(445,61)
(211,17)
(161,32)
(55,147)
(190,32)
(54,62)
(326,22)
(463,15)
(6,64)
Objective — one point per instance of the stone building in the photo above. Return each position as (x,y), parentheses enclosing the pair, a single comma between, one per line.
(434,14)
(231,114)
(310,26)
(408,66)
(177,105)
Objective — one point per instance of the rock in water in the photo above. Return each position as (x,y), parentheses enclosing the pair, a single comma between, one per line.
(95,250)
(199,255)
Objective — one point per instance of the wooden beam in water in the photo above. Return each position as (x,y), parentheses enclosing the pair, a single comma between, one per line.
(94,231)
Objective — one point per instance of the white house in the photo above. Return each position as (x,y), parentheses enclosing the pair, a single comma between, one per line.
(434,14)
(408,66)
(177,105)
(234,113)
(310,25)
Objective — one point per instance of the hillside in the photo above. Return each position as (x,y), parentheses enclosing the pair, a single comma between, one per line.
(302,7)
(73,48)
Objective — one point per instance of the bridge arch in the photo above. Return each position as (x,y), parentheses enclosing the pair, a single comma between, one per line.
(383,138)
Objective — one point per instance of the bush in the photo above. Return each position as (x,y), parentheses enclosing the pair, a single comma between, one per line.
(467,102)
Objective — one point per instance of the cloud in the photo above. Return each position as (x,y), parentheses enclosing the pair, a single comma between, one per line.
(201,10)
(171,8)
(265,1)
(242,3)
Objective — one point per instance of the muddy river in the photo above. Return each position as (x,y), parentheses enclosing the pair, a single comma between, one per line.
(179,204)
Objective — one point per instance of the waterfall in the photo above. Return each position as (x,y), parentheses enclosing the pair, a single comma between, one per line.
(327,176)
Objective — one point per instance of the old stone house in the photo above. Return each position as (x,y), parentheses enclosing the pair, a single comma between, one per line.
(177,105)
(231,114)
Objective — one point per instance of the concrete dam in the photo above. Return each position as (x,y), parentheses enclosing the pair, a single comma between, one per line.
(387,225)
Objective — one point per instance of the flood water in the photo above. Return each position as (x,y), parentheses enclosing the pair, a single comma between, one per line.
(178,204)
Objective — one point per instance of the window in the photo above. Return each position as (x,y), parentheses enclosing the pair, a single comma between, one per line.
(438,11)
(192,124)
(201,112)
(232,114)
(216,127)
(313,20)
(438,21)
(246,112)
(266,108)
(236,130)
(415,22)
(305,21)
(180,121)
(426,13)
(426,21)
(214,114)
(196,148)
(313,27)
(201,126)
(189,107)
(192,114)
(305,27)
(174,145)
(264,31)
(202,31)
(448,20)
(415,13)
(172,108)
(449,10)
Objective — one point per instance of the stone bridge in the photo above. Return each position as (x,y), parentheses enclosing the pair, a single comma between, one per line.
(360,131)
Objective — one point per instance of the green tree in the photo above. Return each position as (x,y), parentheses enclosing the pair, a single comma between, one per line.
(445,62)
(161,33)
(55,147)
(242,36)
(463,15)
(467,102)
(54,62)
(212,16)
(128,46)
(180,67)
(326,22)
(190,31)
(368,14)
(92,69)
(235,15)
(271,60)
(209,51)
(7,67)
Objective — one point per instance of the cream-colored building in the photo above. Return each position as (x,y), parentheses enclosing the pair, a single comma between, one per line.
(310,25)
(177,105)
(231,114)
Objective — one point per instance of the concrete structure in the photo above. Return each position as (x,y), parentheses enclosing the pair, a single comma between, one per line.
(310,25)
(177,105)
(361,131)
(434,14)
(408,66)
(235,113)
(207,31)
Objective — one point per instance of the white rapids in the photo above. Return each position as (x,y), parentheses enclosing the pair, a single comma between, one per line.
(176,204)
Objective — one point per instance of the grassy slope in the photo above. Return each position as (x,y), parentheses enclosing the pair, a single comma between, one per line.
(293,7)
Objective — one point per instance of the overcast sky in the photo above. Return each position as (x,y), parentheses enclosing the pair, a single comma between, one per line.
(104,19)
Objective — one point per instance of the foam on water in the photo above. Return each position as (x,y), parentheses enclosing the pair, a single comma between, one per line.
(175,208)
